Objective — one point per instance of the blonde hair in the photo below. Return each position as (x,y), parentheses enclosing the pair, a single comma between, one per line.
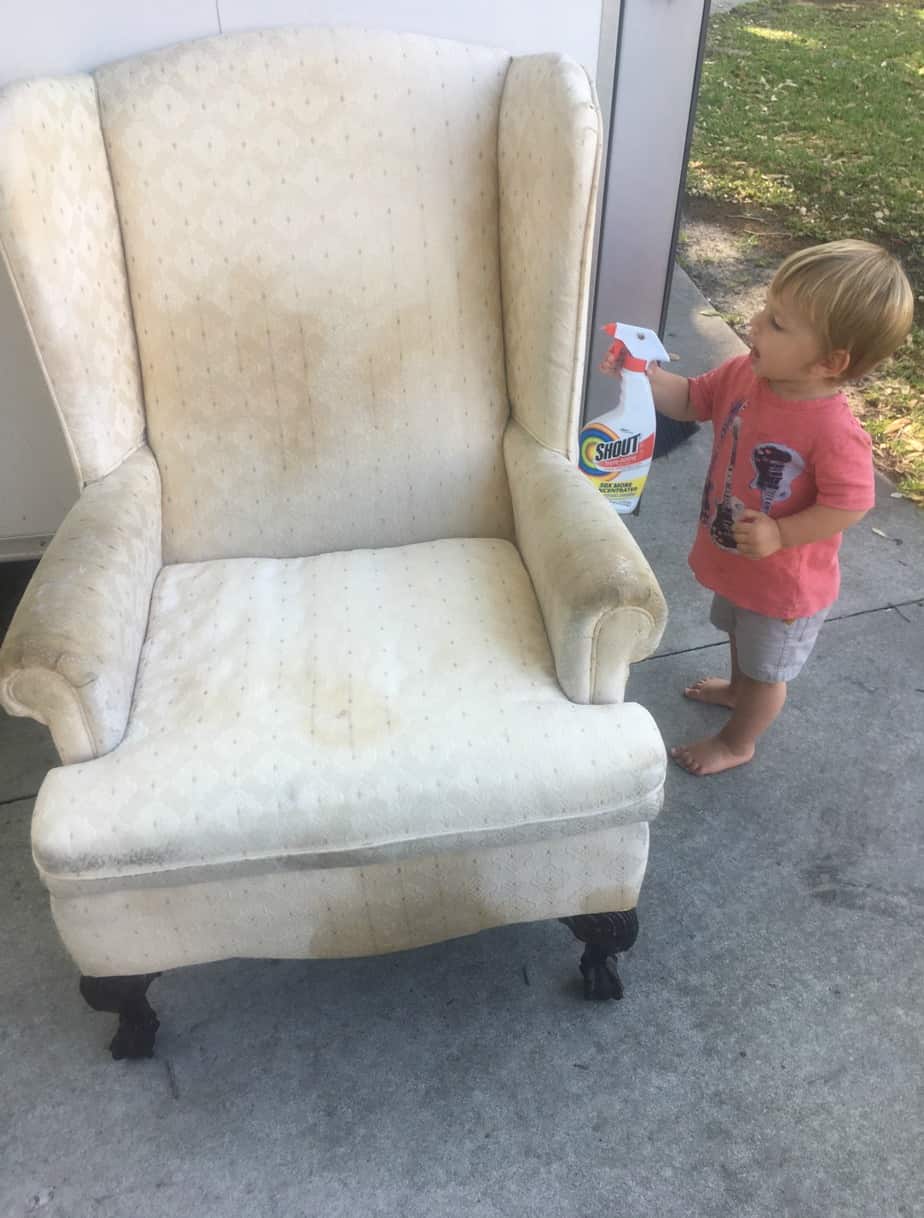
(855,296)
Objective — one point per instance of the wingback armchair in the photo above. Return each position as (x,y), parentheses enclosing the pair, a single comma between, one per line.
(334,643)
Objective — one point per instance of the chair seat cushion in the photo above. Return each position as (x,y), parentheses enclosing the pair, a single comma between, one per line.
(339,710)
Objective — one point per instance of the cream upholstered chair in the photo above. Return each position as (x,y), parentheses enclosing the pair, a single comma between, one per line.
(333,645)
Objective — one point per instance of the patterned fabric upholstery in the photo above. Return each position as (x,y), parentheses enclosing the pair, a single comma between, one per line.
(70,656)
(549,153)
(600,605)
(356,910)
(310,224)
(59,238)
(334,651)
(343,709)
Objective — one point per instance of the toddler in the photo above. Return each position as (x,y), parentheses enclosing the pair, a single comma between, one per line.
(790,470)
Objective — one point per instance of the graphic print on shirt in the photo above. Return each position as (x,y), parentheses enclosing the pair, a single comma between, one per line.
(777,466)
(729,508)
(705,508)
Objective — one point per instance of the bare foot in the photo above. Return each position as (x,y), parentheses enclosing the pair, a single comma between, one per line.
(709,756)
(714,690)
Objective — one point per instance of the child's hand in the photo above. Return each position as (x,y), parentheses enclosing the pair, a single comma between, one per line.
(756,535)
(613,361)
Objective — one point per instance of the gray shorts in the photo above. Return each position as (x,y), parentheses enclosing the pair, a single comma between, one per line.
(769,649)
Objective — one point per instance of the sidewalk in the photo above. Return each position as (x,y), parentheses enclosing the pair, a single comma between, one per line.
(766,1059)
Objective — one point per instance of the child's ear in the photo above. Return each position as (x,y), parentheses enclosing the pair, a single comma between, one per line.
(836,363)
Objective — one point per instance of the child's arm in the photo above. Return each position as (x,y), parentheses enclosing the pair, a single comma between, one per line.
(671,394)
(759,536)
(816,523)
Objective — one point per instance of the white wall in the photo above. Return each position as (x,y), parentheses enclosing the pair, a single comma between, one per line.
(515,25)
(53,37)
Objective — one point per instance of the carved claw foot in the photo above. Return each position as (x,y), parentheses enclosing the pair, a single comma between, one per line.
(136,1034)
(601,977)
(605,935)
(127,997)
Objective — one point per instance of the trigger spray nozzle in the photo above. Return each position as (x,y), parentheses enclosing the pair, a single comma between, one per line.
(633,348)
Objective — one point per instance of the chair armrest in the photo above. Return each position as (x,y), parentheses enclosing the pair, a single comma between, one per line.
(602,606)
(71,654)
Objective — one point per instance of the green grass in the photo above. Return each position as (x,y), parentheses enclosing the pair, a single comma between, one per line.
(817,111)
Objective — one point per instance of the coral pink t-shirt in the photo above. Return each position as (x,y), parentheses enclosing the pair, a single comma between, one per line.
(778,456)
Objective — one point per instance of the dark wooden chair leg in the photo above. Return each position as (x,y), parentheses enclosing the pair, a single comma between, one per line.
(127,997)
(605,935)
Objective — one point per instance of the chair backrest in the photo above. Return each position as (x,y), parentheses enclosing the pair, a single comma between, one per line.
(310,220)
(310,228)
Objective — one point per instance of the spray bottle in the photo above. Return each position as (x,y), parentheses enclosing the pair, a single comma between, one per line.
(617,447)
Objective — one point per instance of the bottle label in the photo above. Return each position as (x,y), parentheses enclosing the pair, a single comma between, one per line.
(605,454)
(625,490)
